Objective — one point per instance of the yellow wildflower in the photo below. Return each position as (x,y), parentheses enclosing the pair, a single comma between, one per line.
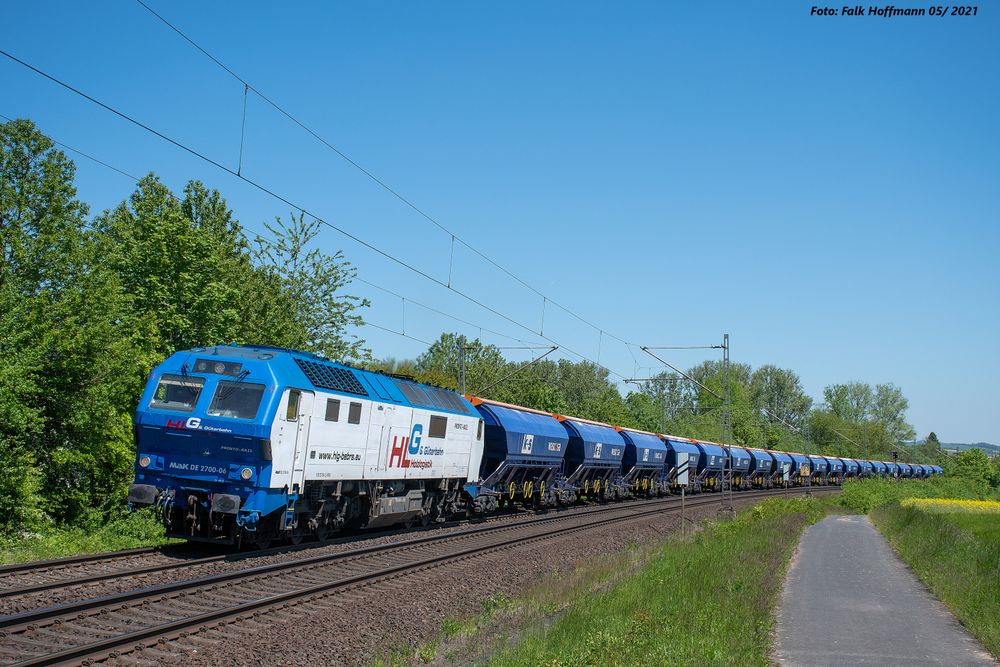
(952,505)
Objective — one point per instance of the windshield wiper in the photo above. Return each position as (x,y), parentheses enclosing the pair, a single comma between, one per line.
(236,383)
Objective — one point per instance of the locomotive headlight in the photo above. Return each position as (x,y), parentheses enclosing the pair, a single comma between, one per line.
(246,473)
(144,462)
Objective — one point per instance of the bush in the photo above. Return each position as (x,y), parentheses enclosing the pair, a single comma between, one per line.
(864,495)
(139,529)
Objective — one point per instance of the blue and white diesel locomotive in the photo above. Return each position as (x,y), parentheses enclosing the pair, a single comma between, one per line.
(251,443)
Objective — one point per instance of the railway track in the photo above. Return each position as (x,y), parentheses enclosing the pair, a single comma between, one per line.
(38,576)
(131,626)
(76,571)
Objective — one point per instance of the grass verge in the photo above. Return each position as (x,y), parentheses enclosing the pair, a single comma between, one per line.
(957,556)
(864,495)
(139,529)
(703,600)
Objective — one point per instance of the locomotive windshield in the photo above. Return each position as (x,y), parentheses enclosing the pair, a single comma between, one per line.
(177,392)
(236,399)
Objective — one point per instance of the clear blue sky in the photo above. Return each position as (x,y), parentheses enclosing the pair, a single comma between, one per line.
(825,190)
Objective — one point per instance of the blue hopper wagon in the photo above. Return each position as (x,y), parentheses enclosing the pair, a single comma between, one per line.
(643,463)
(741,461)
(593,458)
(761,469)
(835,471)
(711,465)
(820,469)
(522,457)
(801,469)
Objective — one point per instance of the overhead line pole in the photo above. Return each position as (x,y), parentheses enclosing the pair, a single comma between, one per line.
(727,470)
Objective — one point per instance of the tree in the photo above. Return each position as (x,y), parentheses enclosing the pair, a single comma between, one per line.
(315,283)
(889,408)
(674,395)
(88,308)
(851,401)
(972,465)
(739,373)
(484,364)
(62,344)
(780,393)
(644,413)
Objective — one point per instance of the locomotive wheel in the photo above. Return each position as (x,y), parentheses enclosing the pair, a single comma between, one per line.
(266,532)
(262,538)
(323,532)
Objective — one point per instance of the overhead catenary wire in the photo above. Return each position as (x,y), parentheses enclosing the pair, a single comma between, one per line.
(258,235)
(439,312)
(302,209)
(372,176)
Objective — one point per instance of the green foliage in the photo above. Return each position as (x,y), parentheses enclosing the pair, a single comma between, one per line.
(139,529)
(956,556)
(681,608)
(780,392)
(975,467)
(668,403)
(882,409)
(864,495)
(87,309)
(313,282)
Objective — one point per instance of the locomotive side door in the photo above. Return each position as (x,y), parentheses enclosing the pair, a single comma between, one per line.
(302,414)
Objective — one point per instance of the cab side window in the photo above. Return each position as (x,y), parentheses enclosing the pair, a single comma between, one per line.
(292,410)
(332,410)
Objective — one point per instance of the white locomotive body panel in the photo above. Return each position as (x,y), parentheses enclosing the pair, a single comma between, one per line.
(330,437)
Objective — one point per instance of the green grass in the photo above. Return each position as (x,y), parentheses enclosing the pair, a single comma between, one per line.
(864,495)
(139,529)
(985,527)
(957,556)
(703,601)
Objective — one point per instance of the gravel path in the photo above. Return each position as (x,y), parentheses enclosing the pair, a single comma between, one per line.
(884,616)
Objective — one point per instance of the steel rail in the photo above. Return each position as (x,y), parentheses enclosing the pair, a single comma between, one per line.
(19,620)
(72,560)
(74,579)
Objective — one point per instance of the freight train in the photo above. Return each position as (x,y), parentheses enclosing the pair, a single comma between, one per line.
(249,444)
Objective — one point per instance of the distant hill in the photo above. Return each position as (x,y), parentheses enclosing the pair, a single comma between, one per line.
(985,446)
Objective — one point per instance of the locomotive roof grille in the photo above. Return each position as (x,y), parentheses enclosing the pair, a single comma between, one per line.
(327,376)
(431,397)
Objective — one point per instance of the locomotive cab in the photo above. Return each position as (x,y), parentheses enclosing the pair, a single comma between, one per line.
(202,440)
